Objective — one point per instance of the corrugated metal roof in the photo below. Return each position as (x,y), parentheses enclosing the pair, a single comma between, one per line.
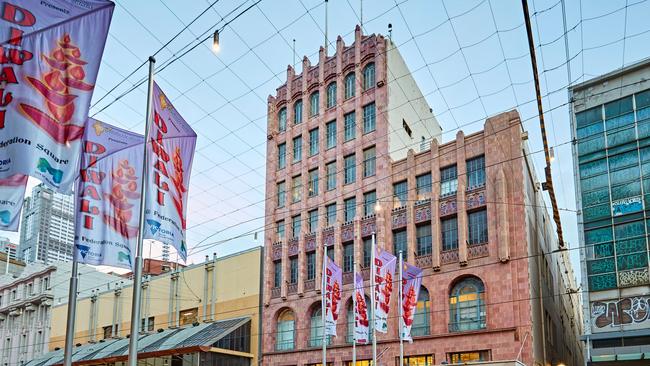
(204,334)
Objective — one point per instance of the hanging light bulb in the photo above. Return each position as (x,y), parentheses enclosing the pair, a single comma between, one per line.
(215,42)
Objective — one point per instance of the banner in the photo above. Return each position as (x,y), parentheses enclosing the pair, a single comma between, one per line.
(12,196)
(333,288)
(107,197)
(170,153)
(361,323)
(383,281)
(411,281)
(50,59)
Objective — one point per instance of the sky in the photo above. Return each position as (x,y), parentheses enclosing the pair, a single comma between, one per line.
(470,59)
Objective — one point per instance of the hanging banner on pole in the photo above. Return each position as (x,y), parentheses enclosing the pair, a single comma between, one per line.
(361,323)
(411,281)
(333,288)
(107,196)
(51,55)
(383,281)
(170,153)
(12,196)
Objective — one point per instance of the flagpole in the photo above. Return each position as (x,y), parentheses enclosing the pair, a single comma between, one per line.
(372,301)
(137,271)
(401,312)
(354,314)
(323,303)
(72,310)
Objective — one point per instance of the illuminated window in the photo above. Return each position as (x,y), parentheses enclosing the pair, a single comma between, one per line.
(471,356)
(467,305)
(423,360)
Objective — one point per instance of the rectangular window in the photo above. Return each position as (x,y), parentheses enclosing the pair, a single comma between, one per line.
(311,265)
(477,227)
(348,257)
(108,331)
(293,270)
(425,360)
(277,273)
(350,169)
(296,188)
(331,175)
(282,155)
(279,230)
(296,226)
(313,183)
(369,162)
(331,134)
(297,149)
(150,324)
(400,194)
(350,126)
(297,113)
(350,208)
(369,201)
(313,142)
(399,242)
(369,118)
(423,239)
(331,95)
(448,181)
(367,247)
(465,357)
(423,186)
(449,228)
(282,120)
(313,104)
(476,172)
(188,316)
(349,85)
(330,252)
(331,214)
(313,221)
(282,194)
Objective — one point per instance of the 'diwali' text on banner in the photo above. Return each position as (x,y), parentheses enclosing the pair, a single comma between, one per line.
(12,194)
(170,152)
(107,196)
(411,281)
(383,281)
(333,295)
(50,59)
(361,322)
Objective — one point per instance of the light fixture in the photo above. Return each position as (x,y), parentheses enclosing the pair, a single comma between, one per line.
(552,154)
(215,42)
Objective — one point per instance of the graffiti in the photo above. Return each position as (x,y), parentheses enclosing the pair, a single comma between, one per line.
(633,278)
(622,312)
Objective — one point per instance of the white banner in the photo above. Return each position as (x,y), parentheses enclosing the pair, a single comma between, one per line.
(384,277)
(12,196)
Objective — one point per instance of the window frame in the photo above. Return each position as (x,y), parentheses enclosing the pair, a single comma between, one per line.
(369,76)
(348,258)
(313,141)
(475,172)
(369,120)
(331,94)
(314,111)
(312,189)
(448,180)
(297,149)
(400,196)
(282,119)
(446,229)
(281,189)
(296,189)
(349,126)
(328,210)
(282,155)
(330,170)
(297,112)
(350,208)
(369,204)
(424,244)
(478,234)
(369,162)
(398,243)
(330,135)
(350,169)
(350,85)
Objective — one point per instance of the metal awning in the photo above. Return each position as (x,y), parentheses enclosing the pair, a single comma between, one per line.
(193,338)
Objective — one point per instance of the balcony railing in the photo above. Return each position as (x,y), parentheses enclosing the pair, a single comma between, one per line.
(275,292)
(423,261)
(449,256)
(310,285)
(477,250)
(348,277)
(292,288)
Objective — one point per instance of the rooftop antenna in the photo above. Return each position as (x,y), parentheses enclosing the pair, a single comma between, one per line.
(361,13)
(294,53)
(390,31)
(326,28)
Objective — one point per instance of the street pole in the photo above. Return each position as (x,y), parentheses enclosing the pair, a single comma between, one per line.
(137,271)
(372,301)
(323,304)
(72,311)
(401,312)
(354,314)
(7,267)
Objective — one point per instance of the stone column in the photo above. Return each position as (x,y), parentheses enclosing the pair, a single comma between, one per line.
(409,256)
(436,234)
(460,198)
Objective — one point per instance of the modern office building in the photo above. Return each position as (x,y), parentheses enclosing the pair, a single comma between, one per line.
(26,301)
(611,153)
(47,226)
(6,246)
(203,314)
(353,148)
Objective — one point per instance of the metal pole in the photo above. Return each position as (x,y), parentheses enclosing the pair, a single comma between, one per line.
(72,312)
(326,46)
(401,312)
(7,267)
(372,301)
(361,13)
(323,303)
(354,312)
(137,271)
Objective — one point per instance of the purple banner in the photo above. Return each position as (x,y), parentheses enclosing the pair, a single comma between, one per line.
(170,153)
(411,281)
(384,277)
(107,198)
(12,195)
(361,316)
(333,295)
(51,55)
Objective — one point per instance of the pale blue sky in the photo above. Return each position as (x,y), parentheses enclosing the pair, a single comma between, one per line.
(224,97)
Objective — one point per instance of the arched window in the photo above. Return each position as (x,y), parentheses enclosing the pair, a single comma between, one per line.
(316,328)
(369,76)
(286,331)
(297,112)
(282,119)
(350,336)
(331,94)
(422,313)
(313,104)
(467,305)
(349,85)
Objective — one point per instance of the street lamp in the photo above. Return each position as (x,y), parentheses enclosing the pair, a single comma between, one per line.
(215,42)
